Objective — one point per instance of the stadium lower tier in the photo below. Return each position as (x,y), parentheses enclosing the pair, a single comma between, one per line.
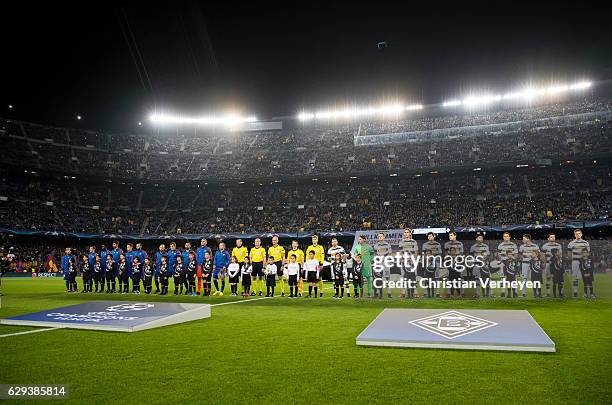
(531,195)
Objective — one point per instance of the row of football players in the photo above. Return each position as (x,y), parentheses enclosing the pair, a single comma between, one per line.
(111,267)
(527,260)
(120,265)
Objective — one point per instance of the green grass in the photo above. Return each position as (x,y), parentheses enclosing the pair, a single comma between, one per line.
(303,351)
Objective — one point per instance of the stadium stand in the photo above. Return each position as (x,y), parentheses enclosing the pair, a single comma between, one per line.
(545,164)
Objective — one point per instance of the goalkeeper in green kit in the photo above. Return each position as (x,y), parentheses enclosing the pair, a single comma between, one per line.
(367,253)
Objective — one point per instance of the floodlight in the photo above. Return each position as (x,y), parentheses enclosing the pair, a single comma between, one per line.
(214,120)
(414,107)
(451,103)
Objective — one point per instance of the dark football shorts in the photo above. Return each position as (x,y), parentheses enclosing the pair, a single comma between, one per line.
(257,269)
(311,276)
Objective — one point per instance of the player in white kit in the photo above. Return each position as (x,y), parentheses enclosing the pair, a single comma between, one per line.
(410,247)
(436,251)
(383,248)
(528,251)
(504,246)
(547,248)
(575,248)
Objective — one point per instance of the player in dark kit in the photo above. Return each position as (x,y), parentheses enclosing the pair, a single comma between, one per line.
(92,261)
(122,275)
(190,273)
(86,274)
(245,272)
(483,275)
(147,276)
(357,277)
(339,274)
(222,260)
(207,270)
(586,269)
(130,254)
(72,273)
(136,274)
(537,265)
(179,275)
(66,259)
(200,256)
(511,268)
(97,275)
(110,274)
(186,253)
(163,274)
(158,258)
(104,252)
(116,254)
(557,272)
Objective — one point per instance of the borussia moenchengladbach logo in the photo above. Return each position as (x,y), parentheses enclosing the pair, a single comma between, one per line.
(452,324)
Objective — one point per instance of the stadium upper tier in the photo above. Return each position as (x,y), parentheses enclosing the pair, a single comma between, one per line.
(557,131)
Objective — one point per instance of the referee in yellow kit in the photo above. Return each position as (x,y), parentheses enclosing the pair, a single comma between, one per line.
(257,256)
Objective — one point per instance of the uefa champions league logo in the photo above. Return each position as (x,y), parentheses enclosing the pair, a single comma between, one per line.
(137,306)
(452,324)
(112,313)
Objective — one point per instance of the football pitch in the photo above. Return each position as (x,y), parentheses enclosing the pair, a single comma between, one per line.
(280,350)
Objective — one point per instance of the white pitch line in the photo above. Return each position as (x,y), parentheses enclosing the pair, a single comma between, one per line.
(28,331)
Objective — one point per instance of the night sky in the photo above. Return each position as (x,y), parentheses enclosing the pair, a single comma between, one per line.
(114,64)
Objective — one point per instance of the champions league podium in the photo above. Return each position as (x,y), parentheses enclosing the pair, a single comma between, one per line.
(510,330)
(116,316)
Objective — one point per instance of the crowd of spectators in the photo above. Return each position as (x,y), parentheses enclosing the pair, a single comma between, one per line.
(471,119)
(27,256)
(312,176)
(513,196)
